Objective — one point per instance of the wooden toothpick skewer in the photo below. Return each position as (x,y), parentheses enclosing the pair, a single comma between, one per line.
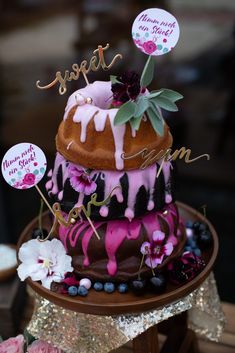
(85,77)
(92,226)
(204,210)
(45,200)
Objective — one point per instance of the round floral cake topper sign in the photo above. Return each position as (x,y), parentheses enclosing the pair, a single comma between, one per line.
(155,31)
(24,165)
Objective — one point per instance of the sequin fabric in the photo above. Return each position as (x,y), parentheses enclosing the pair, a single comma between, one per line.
(83,333)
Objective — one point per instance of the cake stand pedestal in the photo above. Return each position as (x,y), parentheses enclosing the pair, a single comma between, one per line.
(180,339)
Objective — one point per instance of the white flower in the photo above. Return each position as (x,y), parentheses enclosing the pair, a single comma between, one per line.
(44,261)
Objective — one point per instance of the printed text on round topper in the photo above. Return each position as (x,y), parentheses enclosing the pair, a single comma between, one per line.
(155,31)
(24,165)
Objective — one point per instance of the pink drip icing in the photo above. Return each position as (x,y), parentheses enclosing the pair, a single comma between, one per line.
(146,178)
(170,221)
(166,172)
(49,185)
(136,178)
(60,195)
(134,229)
(80,200)
(168,198)
(111,180)
(81,226)
(150,205)
(85,242)
(59,161)
(104,211)
(151,224)
(117,232)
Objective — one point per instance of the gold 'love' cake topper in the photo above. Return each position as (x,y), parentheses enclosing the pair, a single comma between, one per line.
(96,62)
(76,212)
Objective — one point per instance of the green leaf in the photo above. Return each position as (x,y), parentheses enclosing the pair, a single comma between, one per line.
(113,79)
(156,110)
(157,124)
(165,103)
(125,113)
(171,95)
(142,105)
(148,72)
(154,94)
(135,122)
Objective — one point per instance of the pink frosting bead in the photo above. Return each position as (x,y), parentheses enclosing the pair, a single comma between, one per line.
(189,232)
(80,99)
(85,282)
(168,198)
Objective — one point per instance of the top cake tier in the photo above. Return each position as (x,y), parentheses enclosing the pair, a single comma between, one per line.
(87,135)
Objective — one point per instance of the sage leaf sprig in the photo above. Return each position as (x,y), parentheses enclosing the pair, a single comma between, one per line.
(149,103)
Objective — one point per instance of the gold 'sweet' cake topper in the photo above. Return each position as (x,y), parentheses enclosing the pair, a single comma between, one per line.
(96,62)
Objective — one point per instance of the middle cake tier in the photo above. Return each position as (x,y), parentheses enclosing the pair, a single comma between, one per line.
(133,193)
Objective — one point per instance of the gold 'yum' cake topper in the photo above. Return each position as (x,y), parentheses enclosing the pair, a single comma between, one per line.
(150,157)
(96,62)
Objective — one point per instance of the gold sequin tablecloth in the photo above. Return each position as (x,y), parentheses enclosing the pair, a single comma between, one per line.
(84,333)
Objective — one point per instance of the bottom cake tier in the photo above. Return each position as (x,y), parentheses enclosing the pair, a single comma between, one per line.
(125,249)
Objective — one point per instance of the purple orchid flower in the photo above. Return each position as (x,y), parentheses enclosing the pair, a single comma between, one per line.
(80,180)
(156,250)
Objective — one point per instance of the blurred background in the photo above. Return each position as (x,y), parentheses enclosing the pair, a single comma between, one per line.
(39,37)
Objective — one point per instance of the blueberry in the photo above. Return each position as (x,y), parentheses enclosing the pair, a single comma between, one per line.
(188,248)
(204,239)
(72,290)
(202,227)
(82,291)
(158,283)
(138,286)
(189,224)
(98,286)
(199,227)
(197,252)
(39,233)
(123,288)
(196,226)
(109,287)
(192,243)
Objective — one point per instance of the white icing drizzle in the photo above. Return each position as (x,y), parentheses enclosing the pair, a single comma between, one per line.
(146,178)
(118,135)
(80,200)
(136,179)
(166,172)
(52,184)
(101,95)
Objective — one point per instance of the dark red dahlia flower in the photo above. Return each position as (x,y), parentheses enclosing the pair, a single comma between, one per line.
(127,88)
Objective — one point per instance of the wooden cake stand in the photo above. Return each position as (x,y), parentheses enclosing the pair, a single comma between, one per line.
(179,338)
